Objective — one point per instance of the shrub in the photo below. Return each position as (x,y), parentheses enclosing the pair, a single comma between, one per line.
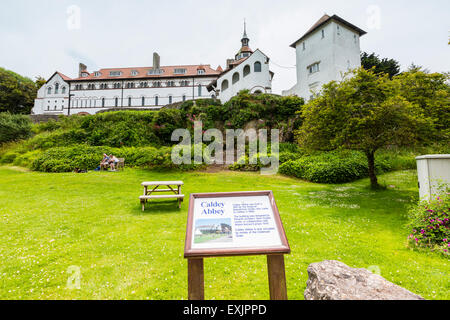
(14,127)
(8,157)
(327,167)
(430,224)
(27,159)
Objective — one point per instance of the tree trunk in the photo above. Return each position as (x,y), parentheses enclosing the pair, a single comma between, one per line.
(371,162)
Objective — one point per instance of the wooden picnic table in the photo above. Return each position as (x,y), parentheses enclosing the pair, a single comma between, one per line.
(171,187)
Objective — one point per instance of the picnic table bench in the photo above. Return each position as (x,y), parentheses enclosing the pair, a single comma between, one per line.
(173,187)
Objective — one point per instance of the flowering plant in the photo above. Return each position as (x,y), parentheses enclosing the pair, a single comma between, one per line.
(430,224)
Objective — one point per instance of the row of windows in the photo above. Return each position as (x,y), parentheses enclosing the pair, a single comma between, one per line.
(235,78)
(92,103)
(118,73)
(49,89)
(130,85)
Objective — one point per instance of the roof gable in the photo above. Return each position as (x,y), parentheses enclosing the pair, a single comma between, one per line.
(325,19)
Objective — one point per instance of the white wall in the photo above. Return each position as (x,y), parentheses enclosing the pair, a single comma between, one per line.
(90,101)
(254,81)
(53,103)
(336,54)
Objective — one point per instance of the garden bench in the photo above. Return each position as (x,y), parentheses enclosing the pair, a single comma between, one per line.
(120,164)
(173,187)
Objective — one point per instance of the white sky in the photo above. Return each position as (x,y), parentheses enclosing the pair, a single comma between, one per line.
(35,38)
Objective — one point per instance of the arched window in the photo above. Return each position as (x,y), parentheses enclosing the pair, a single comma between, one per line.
(116,102)
(156,100)
(170,99)
(224,85)
(103,102)
(199,90)
(246,70)
(235,78)
(257,66)
(143,101)
(63,90)
(56,88)
(129,101)
(49,90)
(184,97)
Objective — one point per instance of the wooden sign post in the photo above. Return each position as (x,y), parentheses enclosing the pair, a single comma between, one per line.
(235,224)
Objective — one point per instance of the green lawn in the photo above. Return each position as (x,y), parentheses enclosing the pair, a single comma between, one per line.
(94,221)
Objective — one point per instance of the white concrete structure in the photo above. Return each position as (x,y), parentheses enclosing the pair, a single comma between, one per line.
(248,70)
(152,87)
(325,53)
(433,172)
(141,87)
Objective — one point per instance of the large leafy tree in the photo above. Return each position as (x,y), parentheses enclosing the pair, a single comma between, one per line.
(17,93)
(364,112)
(431,92)
(380,65)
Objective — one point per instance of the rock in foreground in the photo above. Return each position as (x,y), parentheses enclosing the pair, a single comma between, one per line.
(333,280)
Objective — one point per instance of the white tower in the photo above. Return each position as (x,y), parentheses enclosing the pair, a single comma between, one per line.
(324,53)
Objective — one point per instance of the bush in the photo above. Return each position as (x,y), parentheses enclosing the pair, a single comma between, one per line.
(430,225)
(65,159)
(328,167)
(14,127)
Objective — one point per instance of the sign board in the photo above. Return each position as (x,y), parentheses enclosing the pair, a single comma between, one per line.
(233,224)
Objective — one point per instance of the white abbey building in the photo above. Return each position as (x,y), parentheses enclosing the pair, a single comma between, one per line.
(324,53)
(152,87)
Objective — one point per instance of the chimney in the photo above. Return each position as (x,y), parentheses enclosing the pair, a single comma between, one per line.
(156,60)
(229,61)
(81,67)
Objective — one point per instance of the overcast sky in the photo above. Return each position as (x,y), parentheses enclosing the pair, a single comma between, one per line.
(40,37)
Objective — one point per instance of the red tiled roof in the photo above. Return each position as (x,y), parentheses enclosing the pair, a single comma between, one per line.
(325,18)
(169,71)
(63,76)
(219,69)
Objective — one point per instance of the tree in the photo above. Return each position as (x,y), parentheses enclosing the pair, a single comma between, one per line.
(365,113)
(17,93)
(431,92)
(40,81)
(389,66)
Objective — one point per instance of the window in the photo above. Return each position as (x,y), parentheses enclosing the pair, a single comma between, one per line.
(184,97)
(155,71)
(84,74)
(338,30)
(323,34)
(56,88)
(115,73)
(49,90)
(184,83)
(97,74)
(143,101)
(170,83)
(63,90)
(246,70)
(354,38)
(129,101)
(199,90)
(116,102)
(313,68)
(179,71)
(134,72)
(201,71)
(170,99)
(235,78)
(224,85)
(157,84)
(117,85)
(304,46)
(103,102)
(257,66)
(156,100)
